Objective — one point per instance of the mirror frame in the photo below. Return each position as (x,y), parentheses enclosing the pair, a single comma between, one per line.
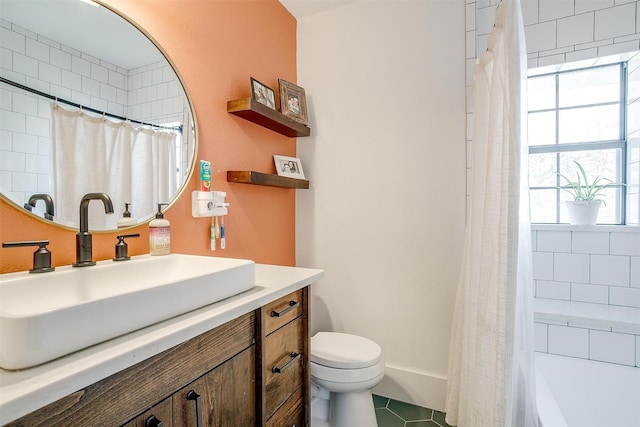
(192,163)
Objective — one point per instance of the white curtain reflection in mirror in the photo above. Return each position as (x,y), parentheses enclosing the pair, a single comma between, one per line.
(94,154)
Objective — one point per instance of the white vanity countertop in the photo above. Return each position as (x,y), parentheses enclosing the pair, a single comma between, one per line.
(22,392)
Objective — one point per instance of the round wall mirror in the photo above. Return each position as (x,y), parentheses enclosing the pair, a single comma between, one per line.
(88,104)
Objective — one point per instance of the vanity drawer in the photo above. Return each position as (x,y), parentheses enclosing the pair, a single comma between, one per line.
(291,414)
(284,364)
(282,311)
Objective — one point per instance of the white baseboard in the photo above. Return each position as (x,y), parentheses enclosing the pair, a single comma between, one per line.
(418,388)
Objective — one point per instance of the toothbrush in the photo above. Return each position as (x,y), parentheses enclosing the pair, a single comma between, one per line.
(213,235)
(222,238)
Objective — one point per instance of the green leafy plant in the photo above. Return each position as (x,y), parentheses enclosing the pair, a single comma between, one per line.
(582,189)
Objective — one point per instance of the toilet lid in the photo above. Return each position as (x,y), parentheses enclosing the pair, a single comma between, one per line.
(344,351)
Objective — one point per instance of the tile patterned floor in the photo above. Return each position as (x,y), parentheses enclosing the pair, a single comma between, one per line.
(393,413)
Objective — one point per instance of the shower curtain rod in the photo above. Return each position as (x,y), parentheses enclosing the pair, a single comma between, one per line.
(93,110)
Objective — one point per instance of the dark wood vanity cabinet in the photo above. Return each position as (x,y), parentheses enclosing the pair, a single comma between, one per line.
(285,376)
(225,396)
(251,371)
(160,415)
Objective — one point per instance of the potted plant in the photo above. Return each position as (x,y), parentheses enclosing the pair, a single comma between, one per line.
(583,209)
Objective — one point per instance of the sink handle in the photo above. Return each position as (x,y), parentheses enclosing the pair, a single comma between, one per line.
(280,369)
(292,305)
(122,249)
(192,395)
(153,421)
(41,257)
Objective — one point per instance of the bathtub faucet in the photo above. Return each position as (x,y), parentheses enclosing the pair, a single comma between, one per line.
(84,255)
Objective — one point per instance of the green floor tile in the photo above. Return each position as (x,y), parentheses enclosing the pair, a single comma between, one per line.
(439,417)
(409,412)
(379,401)
(394,413)
(388,419)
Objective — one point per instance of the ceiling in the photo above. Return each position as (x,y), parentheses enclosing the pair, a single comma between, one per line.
(93,30)
(103,34)
(301,8)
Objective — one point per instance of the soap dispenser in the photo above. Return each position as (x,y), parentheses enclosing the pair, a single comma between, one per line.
(159,234)
(126,220)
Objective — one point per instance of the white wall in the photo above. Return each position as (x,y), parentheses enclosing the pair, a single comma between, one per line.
(386,160)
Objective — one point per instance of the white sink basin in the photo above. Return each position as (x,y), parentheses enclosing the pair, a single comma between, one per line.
(45,316)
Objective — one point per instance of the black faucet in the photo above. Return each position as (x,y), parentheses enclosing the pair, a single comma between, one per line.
(48,202)
(84,256)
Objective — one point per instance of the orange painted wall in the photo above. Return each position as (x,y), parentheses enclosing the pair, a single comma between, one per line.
(216,45)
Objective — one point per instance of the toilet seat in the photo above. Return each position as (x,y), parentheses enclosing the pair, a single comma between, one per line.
(347,376)
(344,351)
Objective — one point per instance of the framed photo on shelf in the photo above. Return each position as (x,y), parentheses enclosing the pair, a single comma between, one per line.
(293,101)
(291,167)
(263,94)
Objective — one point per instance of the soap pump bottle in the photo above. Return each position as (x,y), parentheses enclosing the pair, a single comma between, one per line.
(126,220)
(159,234)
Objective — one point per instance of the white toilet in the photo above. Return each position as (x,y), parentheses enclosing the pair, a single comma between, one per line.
(344,369)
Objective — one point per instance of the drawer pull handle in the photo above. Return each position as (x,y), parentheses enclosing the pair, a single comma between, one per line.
(192,395)
(153,421)
(292,305)
(292,357)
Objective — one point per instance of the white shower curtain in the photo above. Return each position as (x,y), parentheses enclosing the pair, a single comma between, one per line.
(96,155)
(491,368)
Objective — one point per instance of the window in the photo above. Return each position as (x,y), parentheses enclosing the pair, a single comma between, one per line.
(578,114)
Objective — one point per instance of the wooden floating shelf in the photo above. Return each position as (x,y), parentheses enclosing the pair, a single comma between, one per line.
(252,110)
(268,179)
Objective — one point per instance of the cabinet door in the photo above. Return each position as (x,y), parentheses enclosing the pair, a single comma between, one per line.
(225,397)
(161,415)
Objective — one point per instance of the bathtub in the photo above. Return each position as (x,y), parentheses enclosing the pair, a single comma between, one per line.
(584,393)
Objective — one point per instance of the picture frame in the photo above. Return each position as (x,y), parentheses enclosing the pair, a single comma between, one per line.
(263,94)
(293,101)
(290,167)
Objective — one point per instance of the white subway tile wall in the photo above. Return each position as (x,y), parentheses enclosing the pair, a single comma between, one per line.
(571,267)
(599,263)
(612,347)
(588,342)
(602,267)
(150,93)
(568,341)
(598,28)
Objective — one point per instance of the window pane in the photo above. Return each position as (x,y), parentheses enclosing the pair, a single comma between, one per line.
(591,86)
(564,215)
(610,213)
(603,163)
(543,206)
(589,124)
(542,128)
(542,170)
(541,92)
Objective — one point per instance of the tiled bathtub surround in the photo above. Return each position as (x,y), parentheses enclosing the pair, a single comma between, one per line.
(600,267)
(587,288)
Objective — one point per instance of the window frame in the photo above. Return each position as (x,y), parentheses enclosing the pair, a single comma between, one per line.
(616,144)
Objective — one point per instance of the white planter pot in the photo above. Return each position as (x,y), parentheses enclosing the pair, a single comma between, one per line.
(582,212)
